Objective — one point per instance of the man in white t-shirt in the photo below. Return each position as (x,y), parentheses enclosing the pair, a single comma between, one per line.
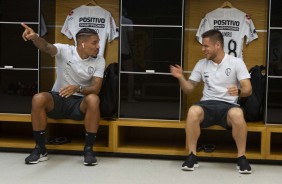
(75,92)
(233,24)
(93,17)
(225,78)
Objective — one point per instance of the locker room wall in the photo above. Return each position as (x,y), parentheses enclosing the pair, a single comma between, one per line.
(254,53)
(195,10)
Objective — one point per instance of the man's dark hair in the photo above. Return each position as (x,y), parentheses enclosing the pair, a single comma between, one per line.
(214,35)
(85,32)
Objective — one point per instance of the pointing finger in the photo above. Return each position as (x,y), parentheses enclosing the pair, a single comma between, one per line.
(25,26)
(23,35)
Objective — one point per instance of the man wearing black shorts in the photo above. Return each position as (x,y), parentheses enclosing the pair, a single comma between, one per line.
(79,75)
(225,79)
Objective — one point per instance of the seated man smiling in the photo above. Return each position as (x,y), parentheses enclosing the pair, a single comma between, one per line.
(225,79)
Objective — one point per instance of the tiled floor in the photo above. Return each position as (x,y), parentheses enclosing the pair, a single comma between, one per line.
(60,169)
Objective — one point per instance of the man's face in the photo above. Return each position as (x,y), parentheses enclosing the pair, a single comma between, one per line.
(210,48)
(91,45)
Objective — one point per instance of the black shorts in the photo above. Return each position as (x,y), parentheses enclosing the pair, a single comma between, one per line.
(68,108)
(215,113)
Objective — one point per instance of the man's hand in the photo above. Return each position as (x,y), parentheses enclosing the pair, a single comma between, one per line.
(176,71)
(28,33)
(68,90)
(232,90)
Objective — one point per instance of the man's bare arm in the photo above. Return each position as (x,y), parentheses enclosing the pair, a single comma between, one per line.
(39,42)
(94,88)
(246,88)
(186,86)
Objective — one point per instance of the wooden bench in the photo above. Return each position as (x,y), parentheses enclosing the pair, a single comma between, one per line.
(76,144)
(146,137)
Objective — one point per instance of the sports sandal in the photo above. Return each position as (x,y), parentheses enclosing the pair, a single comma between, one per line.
(208,148)
(200,147)
(57,140)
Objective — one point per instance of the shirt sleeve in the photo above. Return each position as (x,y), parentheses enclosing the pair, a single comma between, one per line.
(62,50)
(250,30)
(66,29)
(112,30)
(242,71)
(100,67)
(59,47)
(204,26)
(196,74)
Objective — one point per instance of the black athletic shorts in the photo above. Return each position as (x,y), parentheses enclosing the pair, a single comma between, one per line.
(215,113)
(66,108)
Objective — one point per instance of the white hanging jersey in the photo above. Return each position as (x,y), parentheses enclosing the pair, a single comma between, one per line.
(93,17)
(233,24)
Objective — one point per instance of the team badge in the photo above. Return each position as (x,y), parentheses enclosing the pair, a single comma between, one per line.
(90,70)
(228,71)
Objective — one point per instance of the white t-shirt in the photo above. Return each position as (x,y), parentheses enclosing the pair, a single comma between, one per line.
(233,24)
(72,70)
(93,17)
(218,77)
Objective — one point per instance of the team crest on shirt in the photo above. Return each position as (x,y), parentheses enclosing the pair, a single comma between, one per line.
(228,71)
(90,70)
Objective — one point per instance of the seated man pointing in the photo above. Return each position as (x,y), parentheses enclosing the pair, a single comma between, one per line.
(79,75)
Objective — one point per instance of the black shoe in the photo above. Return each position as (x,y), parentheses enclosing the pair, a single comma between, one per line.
(37,155)
(243,165)
(190,163)
(89,158)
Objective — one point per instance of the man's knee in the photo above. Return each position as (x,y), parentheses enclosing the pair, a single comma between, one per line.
(236,116)
(92,100)
(195,112)
(40,99)
(235,112)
